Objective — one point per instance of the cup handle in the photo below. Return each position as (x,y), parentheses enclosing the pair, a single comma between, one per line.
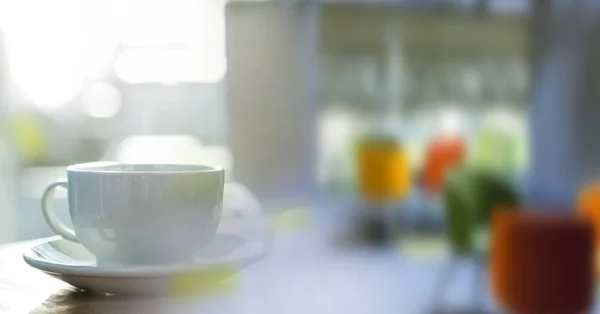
(48,209)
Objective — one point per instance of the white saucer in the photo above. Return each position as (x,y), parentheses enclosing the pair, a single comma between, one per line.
(75,265)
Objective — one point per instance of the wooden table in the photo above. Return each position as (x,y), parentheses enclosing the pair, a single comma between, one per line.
(305,272)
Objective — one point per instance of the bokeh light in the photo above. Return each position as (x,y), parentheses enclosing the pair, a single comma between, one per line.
(101,100)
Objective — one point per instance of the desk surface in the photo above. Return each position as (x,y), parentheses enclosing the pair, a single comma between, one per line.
(304,272)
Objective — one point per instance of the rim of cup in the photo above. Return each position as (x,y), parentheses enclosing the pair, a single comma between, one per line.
(142,168)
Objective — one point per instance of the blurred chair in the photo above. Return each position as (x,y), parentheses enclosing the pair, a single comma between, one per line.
(442,155)
(471,195)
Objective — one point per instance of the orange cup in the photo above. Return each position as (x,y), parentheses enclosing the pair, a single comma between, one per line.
(542,262)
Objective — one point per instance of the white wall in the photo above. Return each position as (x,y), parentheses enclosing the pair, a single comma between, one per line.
(272,78)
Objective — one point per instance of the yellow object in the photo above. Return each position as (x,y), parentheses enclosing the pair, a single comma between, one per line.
(28,133)
(195,282)
(384,172)
(293,219)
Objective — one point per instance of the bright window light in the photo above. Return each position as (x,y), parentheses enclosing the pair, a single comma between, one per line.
(168,66)
(452,120)
(172,41)
(53,47)
(43,57)
(101,100)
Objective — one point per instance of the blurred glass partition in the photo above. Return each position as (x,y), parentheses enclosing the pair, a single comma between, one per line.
(436,71)
(420,70)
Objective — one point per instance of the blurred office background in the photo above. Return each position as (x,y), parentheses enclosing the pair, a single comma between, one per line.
(145,81)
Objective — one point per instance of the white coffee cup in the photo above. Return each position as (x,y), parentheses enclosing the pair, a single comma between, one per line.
(140,214)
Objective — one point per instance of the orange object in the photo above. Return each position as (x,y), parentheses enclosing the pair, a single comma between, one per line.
(542,263)
(443,154)
(384,172)
(588,206)
(499,261)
